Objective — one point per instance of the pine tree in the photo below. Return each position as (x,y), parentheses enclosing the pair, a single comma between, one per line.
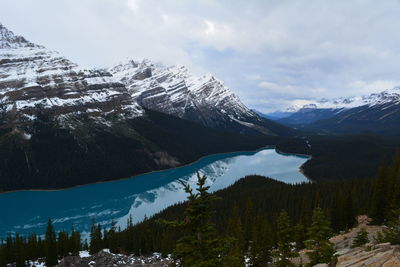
(51,245)
(8,249)
(200,245)
(286,246)
(236,233)
(95,239)
(19,251)
(110,238)
(299,235)
(75,242)
(85,245)
(261,242)
(392,233)
(380,196)
(321,249)
(63,243)
(32,247)
(360,239)
(129,235)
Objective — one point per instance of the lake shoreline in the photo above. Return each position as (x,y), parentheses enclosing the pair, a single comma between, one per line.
(155,171)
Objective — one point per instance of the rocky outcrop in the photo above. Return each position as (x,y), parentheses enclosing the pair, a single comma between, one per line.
(384,255)
(105,258)
(369,255)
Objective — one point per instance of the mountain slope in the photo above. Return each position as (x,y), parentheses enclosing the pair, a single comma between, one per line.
(62,125)
(205,100)
(57,158)
(34,78)
(377,113)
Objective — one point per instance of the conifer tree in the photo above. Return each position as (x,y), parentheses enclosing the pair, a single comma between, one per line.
(236,233)
(299,235)
(286,246)
(392,233)
(95,239)
(360,239)
(63,244)
(260,246)
(110,238)
(380,196)
(75,242)
(8,249)
(321,249)
(51,245)
(200,246)
(19,251)
(32,247)
(85,245)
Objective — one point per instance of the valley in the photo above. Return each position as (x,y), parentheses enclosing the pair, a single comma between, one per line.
(148,163)
(140,196)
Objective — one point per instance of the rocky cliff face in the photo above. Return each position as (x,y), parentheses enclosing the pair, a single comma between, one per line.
(36,80)
(33,78)
(176,91)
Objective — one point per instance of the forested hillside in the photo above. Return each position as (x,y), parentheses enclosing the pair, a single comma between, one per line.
(246,215)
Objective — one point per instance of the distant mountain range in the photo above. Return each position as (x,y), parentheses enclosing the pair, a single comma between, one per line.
(375,113)
(62,125)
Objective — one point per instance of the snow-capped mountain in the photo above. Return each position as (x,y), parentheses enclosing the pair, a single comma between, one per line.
(34,79)
(176,91)
(32,76)
(388,96)
(377,112)
(63,125)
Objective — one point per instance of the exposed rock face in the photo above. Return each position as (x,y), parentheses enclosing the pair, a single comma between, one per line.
(369,255)
(175,91)
(33,77)
(383,255)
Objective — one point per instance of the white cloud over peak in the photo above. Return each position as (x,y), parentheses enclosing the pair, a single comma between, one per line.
(270,53)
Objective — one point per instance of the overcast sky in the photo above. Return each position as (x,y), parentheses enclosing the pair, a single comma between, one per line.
(271,53)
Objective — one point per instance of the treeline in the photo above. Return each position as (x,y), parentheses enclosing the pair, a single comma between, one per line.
(96,153)
(248,213)
(19,249)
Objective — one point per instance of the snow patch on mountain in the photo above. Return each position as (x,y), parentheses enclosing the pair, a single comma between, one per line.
(33,77)
(390,96)
(175,90)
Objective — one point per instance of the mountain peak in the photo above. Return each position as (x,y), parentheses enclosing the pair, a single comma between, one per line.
(9,40)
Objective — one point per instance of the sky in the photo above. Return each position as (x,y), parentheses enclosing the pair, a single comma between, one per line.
(271,53)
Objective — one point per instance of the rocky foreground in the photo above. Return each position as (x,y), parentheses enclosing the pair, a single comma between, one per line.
(105,258)
(368,255)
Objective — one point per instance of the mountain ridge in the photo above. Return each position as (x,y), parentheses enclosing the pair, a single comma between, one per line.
(33,77)
(62,125)
(374,113)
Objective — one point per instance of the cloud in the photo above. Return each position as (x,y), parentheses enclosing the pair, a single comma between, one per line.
(364,87)
(270,53)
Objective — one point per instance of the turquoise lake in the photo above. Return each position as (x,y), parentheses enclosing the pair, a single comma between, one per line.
(143,195)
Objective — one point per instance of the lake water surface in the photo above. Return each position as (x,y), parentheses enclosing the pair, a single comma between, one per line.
(144,195)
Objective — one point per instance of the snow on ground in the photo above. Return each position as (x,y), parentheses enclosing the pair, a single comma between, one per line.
(84,254)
